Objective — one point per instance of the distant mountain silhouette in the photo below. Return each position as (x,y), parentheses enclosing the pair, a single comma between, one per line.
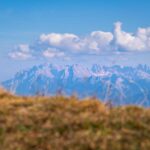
(120,84)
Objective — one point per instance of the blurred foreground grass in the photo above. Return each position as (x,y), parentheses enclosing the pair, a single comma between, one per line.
(59,123)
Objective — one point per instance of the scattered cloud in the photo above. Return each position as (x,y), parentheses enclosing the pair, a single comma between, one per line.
(51,53)
(56,45)
(21,52)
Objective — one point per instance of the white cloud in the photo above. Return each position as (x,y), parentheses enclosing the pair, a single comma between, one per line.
(55,45)
(22,52)
(95,42)
(68,41)
(53,53)
(99,41)
(24,48)
(19,55)
(132,42)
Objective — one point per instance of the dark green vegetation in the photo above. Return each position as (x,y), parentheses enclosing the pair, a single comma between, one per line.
(60,123)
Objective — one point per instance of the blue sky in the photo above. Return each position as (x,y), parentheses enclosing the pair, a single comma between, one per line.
(24,21)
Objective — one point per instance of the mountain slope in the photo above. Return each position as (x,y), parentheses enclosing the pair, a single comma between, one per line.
(121,85)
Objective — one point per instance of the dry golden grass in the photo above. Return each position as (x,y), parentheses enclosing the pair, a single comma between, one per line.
(59,123)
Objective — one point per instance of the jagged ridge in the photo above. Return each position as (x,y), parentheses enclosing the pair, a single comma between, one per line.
(121,85)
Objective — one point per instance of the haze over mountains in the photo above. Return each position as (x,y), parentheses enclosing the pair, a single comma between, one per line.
(121,85)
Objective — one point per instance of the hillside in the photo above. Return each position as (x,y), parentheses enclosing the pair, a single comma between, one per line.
(59,123)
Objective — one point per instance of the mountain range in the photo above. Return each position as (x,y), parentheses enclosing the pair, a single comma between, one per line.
(120,85)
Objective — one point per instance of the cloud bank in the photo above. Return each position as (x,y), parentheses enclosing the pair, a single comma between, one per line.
(55,45)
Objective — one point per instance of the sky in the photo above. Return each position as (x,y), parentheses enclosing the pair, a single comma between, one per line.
(73,31)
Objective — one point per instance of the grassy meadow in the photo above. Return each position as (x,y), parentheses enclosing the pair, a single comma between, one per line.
(62,123)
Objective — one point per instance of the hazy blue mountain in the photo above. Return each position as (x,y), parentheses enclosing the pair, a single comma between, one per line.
(121,85)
